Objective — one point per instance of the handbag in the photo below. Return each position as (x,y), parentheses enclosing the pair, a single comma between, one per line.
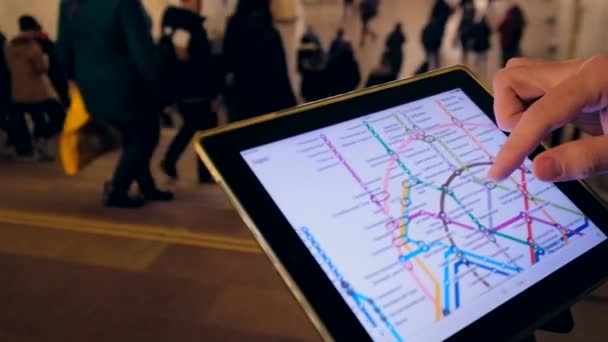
(84,139)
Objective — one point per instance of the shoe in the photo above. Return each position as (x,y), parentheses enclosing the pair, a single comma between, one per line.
(169,170)
(113,199)
(158,195)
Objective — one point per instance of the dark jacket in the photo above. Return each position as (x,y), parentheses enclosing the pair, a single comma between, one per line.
(431,37)
(343,72)
(5,79)
(254,54)
(441,13)
(312,67)
(192,78)
(107,47)
(394,50)
(481,35)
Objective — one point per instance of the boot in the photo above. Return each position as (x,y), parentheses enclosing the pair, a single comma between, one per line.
(113,199)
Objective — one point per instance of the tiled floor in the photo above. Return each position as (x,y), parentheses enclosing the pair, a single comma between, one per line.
(71,270)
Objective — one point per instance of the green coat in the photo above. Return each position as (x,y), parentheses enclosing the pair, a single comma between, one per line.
(108,49)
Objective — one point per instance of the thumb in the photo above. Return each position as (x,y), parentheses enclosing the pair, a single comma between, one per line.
(574,160)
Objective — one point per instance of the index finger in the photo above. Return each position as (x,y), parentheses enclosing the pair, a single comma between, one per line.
(556,108)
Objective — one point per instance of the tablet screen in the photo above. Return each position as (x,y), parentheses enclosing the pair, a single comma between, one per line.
(395,208)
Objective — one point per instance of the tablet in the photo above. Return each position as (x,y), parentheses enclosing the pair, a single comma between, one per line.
(375,209)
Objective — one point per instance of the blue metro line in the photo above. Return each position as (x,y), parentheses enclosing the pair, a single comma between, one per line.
(358,298)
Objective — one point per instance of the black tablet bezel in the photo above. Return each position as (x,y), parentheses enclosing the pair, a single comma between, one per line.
(221,151)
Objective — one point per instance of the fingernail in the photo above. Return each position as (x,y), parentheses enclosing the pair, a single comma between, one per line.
(547,168)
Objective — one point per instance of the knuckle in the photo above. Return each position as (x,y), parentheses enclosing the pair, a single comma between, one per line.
(517,61)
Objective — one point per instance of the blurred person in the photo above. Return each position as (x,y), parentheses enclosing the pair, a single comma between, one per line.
(109,52)
(311,36)
(187,56)
(481,36)
(465,28)
(394,49)
(440,13)
(337,44)
(255,62)
(347,8)
(312,64)
(343,74)
(32,92)
(368,11)
(5,90)
(511,31)
(57,71)
(384,73)
(431,41)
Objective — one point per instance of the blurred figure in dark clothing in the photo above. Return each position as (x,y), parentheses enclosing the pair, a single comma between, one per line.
(310,36)
(348,7)
(337,44)
(255,62)
(57,71)
(441,12)
(108,50)
(481,36)
(343,73)
(431,40)
(383,73)
(32,92)
(190,77)
(465,28)
(312,66)
(369,10)
(5,90)
(394,49)
(511,31)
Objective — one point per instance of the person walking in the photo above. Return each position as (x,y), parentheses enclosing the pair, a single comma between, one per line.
(394,49)
(109,52)
(255,62)
(5,91)
(190,78)
(465,29)
(312,66)
(369,10)
(343,73)
(33,93)
(481,35)
(511,31)
(431,41)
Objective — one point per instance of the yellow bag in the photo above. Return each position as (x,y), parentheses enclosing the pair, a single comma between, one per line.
(83,139)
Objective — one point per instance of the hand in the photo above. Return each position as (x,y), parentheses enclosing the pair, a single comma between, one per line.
(534,97)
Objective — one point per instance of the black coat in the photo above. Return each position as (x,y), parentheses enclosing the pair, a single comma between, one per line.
(343,73)
(5,80)
(193,78)
(254,54)
(481,35)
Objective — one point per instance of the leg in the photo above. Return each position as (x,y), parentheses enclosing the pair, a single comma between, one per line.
(126,169)
(19,134)
(56,115)
(191,114)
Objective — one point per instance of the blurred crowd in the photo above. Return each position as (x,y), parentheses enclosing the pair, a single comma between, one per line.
(128,80)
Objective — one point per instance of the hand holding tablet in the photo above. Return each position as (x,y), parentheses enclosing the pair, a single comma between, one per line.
(376,210)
